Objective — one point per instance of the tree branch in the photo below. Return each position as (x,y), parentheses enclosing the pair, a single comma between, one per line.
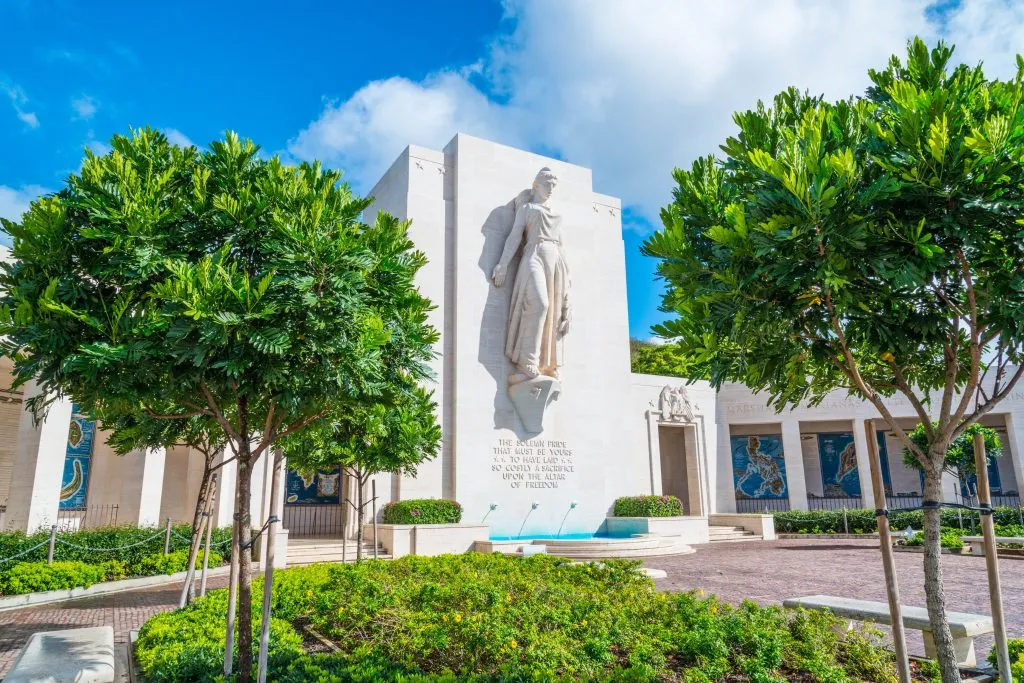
(987,407)
(184,416)
(850,369)
(223,421)
(904,386)
(295,426)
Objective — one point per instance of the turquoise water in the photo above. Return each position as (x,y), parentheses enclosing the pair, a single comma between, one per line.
(554,537)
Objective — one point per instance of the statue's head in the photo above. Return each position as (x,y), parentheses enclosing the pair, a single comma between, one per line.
(544,184)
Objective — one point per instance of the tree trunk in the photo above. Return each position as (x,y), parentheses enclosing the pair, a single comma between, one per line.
(935,596)
(244,502)
(188,592)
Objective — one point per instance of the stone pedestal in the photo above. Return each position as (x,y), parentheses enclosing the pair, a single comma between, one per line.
(531,399)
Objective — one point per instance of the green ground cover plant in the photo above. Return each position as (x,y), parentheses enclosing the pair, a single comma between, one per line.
(496,617)
(1016,648)
(422,511)
(648,506)
(96,555)
(32,577)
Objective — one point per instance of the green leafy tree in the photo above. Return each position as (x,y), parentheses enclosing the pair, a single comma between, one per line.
(960,454)
(666,360)
(215,284)
(393,437)
(872,245)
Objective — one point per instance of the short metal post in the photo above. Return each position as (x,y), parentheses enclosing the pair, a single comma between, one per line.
(373,492)
(167,537)
(960,517)
(53,540)
(846,523)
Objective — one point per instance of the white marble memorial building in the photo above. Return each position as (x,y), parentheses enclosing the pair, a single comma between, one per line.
(543,423)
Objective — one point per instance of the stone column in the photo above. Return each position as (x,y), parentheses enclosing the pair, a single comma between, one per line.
(1014,448)
(38,467)
(224,505)
(794,457)
(142,484)
(860,440)
(654,452)
(725,485)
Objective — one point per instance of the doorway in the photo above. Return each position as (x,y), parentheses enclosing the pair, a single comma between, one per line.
(680,472)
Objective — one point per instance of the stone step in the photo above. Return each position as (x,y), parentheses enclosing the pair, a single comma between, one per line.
(332,557)
(639,545)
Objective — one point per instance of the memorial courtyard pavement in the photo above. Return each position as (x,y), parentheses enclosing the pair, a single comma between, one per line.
(764,571)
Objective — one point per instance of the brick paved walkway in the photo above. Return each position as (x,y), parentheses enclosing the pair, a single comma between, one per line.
(123,611)
(773,571)
(764,572)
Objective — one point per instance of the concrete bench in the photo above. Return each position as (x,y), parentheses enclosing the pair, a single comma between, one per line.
(77,655)
(977,543)
(962,625)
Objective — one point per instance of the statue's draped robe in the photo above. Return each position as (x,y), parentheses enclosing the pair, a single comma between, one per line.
(539,293)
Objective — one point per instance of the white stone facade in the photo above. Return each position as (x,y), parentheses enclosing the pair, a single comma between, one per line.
(609,433)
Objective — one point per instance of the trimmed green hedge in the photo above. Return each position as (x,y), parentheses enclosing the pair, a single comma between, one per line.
(422,511)
(13,542)
(500,618)
(33,577)
(648,506)
(863,521)
(78,566)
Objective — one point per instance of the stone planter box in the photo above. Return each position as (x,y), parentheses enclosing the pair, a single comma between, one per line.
(691,529)
(764,525)
(427,539)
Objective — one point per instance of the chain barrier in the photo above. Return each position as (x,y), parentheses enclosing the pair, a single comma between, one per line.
(104,550)
(24,552)
(187,539)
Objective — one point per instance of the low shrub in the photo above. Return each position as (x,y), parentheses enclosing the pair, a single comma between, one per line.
(33,577)
(97,545)
(950,538)
(1016,647)
(188,645)
(422,511)
(648,506)
(863,521)
(172,563)
(495,617)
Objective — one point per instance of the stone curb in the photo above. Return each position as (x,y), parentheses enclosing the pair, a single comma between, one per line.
(10,602)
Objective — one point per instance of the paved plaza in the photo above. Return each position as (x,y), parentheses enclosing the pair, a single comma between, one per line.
(766,572)
(773,571)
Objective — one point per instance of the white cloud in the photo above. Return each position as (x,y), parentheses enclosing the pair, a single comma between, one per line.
(18,100)
(365,133)
(14,202)
(176,137)
(98,147)
(29,117)
(989,31)
(84,107)
(635,89)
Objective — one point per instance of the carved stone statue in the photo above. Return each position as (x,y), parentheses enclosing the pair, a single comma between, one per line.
(539,313)
(674,404)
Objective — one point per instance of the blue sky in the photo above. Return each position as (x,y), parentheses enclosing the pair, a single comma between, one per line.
(630,89)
